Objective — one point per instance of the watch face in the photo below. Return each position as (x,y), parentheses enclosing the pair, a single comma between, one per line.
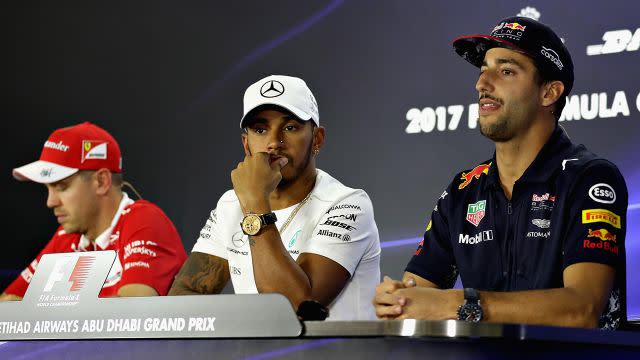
(251,224)
(470,312)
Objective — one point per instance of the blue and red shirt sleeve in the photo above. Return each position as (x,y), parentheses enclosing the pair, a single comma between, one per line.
(597,217)
(433,259)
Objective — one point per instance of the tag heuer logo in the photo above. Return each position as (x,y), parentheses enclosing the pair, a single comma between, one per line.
(475,212)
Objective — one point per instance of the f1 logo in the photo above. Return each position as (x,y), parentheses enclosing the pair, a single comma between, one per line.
(78,275)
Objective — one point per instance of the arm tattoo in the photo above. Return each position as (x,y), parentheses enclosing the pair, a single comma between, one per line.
(201,274)
(252,242)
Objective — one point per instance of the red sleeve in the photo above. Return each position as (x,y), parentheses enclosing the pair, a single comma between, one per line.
(150,249)
(19,286)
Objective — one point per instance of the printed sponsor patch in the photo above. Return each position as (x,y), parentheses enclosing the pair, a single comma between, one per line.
(602,234)
(294,238)
(543,197)
(329,234)
(351,217)
(238,239)
(601,215)
(143,264)
(339,224)
(476,212)
(94,150)
(603,245)
(538,234)
(420,246)
(541,223)
(473,174)
(513,31)
(602,193)
(475,239)
(553,56)
(56,146)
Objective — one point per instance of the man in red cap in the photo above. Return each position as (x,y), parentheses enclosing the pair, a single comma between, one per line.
(81,167)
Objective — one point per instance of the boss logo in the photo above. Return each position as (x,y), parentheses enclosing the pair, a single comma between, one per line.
(339,224)
(602,193)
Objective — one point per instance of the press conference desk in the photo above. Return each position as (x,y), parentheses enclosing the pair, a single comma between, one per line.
(55,321)
(358,340)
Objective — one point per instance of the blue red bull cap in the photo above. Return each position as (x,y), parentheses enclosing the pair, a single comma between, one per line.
(527,36)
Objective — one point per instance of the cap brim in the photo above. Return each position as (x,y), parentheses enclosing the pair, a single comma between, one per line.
(302,115)
(473,47)
(43,172)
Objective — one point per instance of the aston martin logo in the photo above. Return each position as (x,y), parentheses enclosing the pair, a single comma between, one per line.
(271,89)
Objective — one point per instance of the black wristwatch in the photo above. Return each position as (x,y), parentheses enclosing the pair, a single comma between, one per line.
(471,310)
(252,223)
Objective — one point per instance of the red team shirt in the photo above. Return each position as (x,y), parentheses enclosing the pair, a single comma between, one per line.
(149,250)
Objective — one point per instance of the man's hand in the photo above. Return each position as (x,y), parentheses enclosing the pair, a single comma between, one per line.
(388,302)
(201,274)
(9,297)
(134,290)
(429,304)
(415,298)
(255,178)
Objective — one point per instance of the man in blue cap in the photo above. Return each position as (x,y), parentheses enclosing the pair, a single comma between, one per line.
(536,233)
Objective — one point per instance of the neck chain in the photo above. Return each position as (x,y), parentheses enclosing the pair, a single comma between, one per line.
(294,212)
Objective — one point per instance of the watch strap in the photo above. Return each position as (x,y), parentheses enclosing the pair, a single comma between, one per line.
(268,219)
(471,295)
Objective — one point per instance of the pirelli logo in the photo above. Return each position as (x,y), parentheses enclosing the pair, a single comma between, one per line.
(600,215)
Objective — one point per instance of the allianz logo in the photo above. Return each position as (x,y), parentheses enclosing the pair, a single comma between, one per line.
(486,235)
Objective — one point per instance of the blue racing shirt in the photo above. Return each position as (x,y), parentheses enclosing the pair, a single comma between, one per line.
(568,207)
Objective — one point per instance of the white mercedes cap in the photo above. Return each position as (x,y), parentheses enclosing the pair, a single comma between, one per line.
(289,92)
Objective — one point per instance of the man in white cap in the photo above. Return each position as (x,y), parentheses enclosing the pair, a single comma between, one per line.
(81,167)
(287,227)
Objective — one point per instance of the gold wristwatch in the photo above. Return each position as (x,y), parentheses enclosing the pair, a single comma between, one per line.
(252,223)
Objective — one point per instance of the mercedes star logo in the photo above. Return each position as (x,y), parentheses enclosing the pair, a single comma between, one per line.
(271,89)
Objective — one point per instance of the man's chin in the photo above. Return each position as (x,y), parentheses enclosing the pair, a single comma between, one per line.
(494,130)
(70,228)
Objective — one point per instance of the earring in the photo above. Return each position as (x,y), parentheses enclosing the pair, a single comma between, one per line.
(316,151)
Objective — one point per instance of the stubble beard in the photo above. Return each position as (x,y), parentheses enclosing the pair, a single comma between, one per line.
(73,227)
(298,170)
(498,131)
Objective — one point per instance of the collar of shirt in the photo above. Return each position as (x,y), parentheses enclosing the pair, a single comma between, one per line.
(104,239)
(548,160)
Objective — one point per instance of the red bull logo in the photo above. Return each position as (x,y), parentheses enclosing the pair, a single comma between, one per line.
(515,26)
(602,234)
(601,245)
(473,174)
(543,197)
(419,250)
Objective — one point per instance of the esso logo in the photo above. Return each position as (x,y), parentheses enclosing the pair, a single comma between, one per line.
(602,193)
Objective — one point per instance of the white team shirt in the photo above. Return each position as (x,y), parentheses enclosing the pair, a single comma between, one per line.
(336,222)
